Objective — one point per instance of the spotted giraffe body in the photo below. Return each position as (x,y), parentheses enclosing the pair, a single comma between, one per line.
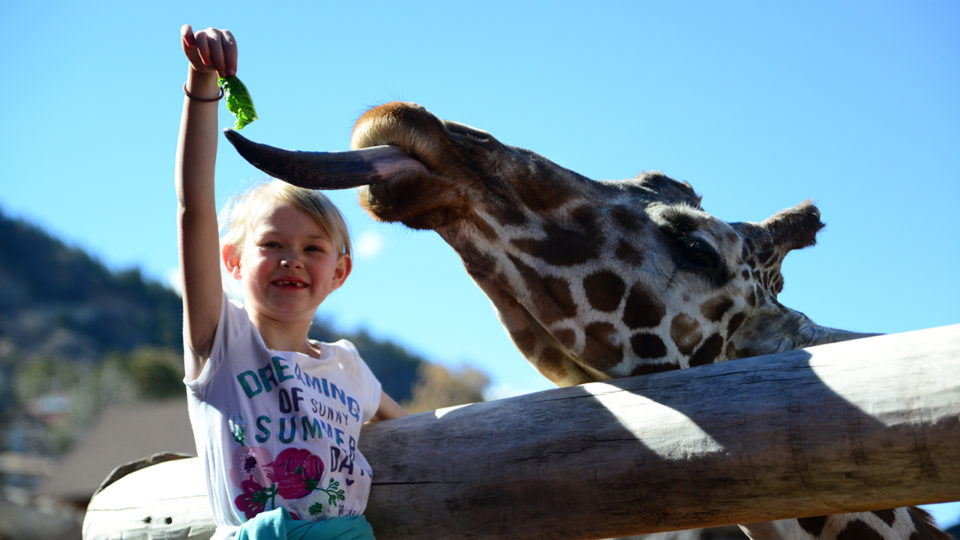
(583,301)
(592,280)
(908,523)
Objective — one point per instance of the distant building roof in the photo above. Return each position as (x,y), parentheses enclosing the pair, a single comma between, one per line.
(122,434)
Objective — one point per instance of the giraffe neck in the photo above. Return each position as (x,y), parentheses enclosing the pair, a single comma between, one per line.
(896,524)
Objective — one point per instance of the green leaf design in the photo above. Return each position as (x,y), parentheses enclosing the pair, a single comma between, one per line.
(238,101)
(333,492)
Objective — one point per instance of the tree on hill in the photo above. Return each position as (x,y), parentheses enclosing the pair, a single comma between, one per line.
(58,300)
(438,387)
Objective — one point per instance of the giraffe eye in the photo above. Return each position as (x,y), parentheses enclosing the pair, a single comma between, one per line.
(692,253)
(697,253)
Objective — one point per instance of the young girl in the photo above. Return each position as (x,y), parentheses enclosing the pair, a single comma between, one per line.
(276,416)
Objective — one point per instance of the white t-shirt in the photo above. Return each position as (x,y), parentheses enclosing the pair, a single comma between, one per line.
(279,428)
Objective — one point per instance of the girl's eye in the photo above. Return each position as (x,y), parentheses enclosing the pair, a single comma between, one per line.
(269,244)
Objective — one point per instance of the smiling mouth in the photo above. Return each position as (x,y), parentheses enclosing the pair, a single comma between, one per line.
(286,283)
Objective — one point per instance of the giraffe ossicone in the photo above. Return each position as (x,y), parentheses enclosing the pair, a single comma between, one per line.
(591,279)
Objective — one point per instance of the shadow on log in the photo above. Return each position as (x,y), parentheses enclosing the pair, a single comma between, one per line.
(859,425)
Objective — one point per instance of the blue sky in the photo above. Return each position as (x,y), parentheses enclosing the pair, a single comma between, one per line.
(759,105)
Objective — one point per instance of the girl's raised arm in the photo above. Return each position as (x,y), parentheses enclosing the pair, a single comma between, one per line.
(210,52)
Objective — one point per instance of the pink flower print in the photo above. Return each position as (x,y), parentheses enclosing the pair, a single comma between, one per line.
(297,472)
(250,462)
(254,498)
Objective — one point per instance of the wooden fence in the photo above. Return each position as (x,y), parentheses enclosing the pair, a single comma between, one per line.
(859,425)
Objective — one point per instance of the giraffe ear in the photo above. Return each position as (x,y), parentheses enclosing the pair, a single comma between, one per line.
(795,227)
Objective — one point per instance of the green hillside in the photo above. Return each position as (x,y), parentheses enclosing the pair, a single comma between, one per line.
(58,301)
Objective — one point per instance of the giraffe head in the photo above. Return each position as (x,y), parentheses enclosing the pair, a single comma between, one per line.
(591,279)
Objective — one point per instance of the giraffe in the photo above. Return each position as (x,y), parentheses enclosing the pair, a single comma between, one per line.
(592,280)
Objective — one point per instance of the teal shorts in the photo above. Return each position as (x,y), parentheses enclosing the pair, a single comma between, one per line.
(278,525)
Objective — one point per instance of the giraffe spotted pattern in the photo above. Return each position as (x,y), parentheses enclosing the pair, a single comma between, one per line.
(594,280)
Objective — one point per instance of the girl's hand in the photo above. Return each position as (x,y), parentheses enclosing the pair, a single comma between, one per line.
(210,50)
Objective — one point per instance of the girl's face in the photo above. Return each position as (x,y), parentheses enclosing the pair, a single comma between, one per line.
(288,265)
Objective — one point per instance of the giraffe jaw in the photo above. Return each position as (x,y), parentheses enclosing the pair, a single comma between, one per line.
(327,170)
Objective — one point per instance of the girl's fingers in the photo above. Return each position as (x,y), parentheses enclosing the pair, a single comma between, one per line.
(210,49)
(203,50)
(190,49)
(215,52)
(186,35)
(229,54)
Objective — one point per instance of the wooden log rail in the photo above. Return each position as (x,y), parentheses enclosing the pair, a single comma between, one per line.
(859,425)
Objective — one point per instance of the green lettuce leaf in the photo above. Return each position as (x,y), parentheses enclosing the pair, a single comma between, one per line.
(238,101)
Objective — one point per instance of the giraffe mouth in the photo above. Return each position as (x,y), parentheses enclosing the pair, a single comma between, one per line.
(327,170)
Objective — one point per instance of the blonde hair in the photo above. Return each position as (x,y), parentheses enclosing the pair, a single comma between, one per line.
(243,209)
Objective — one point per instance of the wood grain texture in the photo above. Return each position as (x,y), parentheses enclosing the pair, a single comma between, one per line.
(167,500)
(860,425)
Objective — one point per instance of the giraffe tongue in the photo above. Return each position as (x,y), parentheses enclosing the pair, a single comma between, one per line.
(326,170)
